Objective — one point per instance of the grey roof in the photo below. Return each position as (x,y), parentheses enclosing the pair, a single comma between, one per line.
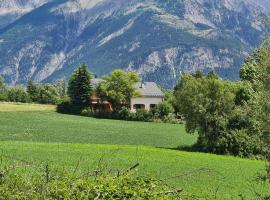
(96,81)
(149,89)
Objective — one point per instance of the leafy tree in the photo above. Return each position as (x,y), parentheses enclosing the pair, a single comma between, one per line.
(118,88)
(45,93)
(206,102)
(18,94)
(49,94)
(164,109)
(80,88)
(3,90)
(258,65)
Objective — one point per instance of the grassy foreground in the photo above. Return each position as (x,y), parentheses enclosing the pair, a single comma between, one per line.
(39,136)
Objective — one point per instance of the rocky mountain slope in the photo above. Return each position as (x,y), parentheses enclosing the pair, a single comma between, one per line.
(44,40)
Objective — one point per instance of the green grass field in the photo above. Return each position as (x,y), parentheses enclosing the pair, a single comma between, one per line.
(37,135)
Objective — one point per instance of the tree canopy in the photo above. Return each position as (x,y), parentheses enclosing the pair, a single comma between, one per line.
(206,102)
(80,87)
(118,88)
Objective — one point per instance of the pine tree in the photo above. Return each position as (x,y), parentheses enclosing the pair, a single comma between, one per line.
(33,91)
(80,88)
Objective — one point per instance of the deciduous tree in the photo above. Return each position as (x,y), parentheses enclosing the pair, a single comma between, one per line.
(118,88)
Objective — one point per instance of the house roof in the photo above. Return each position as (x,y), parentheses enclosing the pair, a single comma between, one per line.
(96,81)
(147,89)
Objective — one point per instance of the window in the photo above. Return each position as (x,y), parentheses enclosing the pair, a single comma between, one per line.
(153,106)
(138,106)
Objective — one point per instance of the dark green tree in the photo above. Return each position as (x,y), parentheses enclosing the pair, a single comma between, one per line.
(33,91)
(80,88)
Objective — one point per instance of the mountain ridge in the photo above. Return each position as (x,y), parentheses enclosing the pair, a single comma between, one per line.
(158,39)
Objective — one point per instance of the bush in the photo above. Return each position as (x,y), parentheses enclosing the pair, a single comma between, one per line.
(241,144)
(56,185)
(164,109)
(66,107)
(142,115)
(124,113)
(17,94)
(3,97)
(172,120)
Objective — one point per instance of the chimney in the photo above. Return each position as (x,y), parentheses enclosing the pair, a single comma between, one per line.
(142,84)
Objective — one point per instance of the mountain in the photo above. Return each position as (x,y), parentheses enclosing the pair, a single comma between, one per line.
(45,40)
(10,10)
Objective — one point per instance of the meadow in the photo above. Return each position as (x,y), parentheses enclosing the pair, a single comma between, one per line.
(36,135)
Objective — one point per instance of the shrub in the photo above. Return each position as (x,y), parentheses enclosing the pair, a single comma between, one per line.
(164,109)
(66,107)
(172,120)
(17,94)
(142,115)
(124,113)
(52,185)
(3,96)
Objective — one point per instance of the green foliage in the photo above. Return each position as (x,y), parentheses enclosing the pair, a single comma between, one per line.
(163,109)
(206,103)
(118,88)
(63,185)
(49,94)
(3,90)
(80,88)
(17,94)
(65,107)
(45,93)
(141,115)
(124,113)
(33,91)
(259,84)
(230,117)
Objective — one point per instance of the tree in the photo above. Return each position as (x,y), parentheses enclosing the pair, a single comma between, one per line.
(80,88)
(49,94)
(33,91)
(256,74)
(164,109)
(118,88)
(18,94)
(206,103)
(3,89)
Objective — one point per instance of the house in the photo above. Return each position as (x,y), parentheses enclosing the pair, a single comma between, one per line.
(151,96)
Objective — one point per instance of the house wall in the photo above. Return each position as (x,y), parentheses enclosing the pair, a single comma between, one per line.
(147,101)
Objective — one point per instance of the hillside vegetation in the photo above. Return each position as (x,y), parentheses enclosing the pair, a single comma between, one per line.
(37,137)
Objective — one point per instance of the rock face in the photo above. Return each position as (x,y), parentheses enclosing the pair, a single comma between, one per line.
(45,40)
(10,10)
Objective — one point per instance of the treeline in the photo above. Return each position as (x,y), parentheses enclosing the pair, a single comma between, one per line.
(33,93)
(230,117)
